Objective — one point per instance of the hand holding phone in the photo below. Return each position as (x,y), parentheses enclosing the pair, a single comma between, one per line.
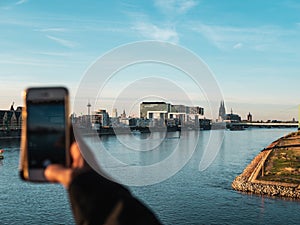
(45,131)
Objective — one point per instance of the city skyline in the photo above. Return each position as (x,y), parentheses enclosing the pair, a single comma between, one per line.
(120,112)
(251,47)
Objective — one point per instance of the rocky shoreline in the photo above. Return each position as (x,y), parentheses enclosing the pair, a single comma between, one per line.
(248,180)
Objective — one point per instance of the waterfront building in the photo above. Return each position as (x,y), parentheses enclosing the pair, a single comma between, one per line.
(114,121)
(100,118)
(232,117)
(162,113)
(163,110)
(132,122)
(11,119)
(154,109)
(114,113)
(141,122)
(186,110)
(83,121)
(124,121)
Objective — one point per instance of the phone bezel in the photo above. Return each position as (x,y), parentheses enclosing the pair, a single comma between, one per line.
(42,94)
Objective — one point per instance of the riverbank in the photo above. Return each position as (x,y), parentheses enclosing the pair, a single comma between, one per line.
(16,133)
(275,171)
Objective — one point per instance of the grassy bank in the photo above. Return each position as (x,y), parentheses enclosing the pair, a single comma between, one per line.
(283,165)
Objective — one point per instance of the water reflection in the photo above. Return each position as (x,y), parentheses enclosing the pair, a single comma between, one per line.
(189,197)
(152,159)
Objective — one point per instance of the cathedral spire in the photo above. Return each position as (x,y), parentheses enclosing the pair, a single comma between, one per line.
(12,107)
(222,111)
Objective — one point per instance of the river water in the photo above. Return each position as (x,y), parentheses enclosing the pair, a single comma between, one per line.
(189,197)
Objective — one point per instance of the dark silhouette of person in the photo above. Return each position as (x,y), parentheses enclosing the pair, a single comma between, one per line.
(95,199)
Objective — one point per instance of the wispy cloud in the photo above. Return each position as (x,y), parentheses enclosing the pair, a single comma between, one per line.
(151,31)
(20,2)
(164,28)
(175,6)
(63,42)
(238,45)
(228,37)
(61,54)
(28,62)
(11,5)
(53,29)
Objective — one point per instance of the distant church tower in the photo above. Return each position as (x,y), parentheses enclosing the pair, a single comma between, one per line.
(12,107)
(123,115)
(222,111)
(249,117)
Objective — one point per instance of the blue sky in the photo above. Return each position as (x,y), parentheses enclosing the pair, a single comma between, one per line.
(252,47)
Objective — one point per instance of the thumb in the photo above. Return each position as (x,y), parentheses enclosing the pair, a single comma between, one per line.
(57,173)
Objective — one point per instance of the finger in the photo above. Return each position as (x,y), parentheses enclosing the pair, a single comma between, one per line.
(77,159)
(57,173)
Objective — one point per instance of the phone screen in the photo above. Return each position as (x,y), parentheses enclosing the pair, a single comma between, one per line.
(46,133)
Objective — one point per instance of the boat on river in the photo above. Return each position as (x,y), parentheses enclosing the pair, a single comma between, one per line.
(1,154)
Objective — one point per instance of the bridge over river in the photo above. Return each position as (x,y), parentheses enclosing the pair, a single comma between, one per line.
(262,124)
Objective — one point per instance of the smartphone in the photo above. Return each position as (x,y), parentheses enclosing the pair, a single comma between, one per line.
(45,131)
